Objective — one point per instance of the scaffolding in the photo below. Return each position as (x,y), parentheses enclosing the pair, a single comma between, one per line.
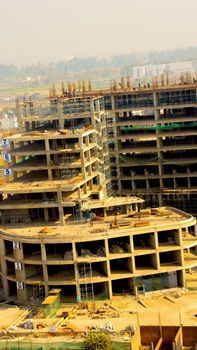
(38,293)
(87,289)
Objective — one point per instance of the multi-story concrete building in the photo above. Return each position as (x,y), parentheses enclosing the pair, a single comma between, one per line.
(62,228)
(153,144)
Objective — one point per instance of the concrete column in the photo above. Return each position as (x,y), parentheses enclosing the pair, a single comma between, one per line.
(133,264)
(87,143)
(89,155)
(106,247)
(5,287)
(147,184)
(3,268)
(60,207)
(13,158)
(44,266)
(113,102)
(89,170)
(48,158)
(159,145)
(19,271)
(180,236)
(174,182)
(97,106)
(56,161)
(119,187)
(85,188)
(82,157)
(18,251)
(131,244)
(183,279)
(78,291)
(60,114)
(136,207)
(108,265)
(155,241)
(91,184)
(43,254)
(46,215)
(21,294)
(110,289)
(157,261)
(180,255)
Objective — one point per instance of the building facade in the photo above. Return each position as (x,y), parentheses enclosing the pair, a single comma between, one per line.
(153,144)
(70,215)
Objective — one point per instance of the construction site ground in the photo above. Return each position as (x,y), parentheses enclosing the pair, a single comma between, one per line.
(169,309)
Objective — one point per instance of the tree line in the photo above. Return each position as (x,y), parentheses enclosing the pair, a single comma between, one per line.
(75,64)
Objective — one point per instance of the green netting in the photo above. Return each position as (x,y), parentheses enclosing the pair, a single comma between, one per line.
(160,127)
(144,161)
(39,345)
(140,161)
(53,345)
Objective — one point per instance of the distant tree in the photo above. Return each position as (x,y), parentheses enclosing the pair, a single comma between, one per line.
(97,341)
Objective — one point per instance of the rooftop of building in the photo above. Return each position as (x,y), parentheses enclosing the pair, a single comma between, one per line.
(148,220)
(158,84)
(52,134)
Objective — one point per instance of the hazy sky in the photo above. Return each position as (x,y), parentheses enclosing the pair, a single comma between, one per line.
(46,30)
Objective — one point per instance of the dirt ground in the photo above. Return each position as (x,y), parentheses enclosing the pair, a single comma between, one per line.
(9,314)
(158,310)
(180,308)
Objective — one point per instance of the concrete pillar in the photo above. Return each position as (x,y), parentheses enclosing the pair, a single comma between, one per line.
(87,143)
(19,271)
(180,237)
(106,247)
(131,244)
(88,155)
(56,161)
(4,268)
(159,145)
(43,254)
(183,279)
(136,208)
(157,262)
(5,287)
(82,157)
(108,269)
(78,291)
(48,158)
(155,240)
(18,251)
(60,114)
(110,292)
(21,292)
(60,207)
(180,255)
(113,102)
(44,266)
(133,264)
(46,215)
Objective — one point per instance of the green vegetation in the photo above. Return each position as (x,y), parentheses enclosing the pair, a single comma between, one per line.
(97,341)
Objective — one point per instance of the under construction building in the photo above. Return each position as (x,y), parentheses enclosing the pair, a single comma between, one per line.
(153,144)
(69,213)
